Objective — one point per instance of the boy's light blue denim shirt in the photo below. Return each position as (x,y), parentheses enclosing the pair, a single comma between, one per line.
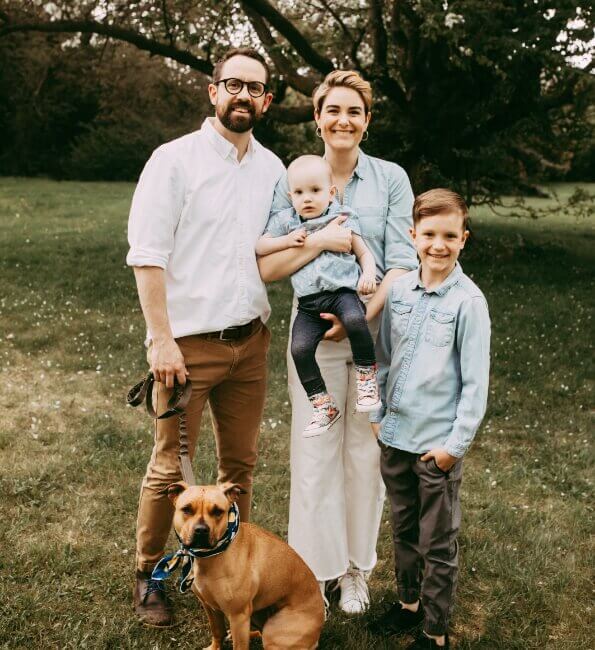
(380,193)
(329,271)
(433,352)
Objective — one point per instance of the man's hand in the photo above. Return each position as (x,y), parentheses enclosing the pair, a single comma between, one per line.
(337,332)
(334,237)
(296,238)
(367,283)
(167,362)
(375,429)
(443,459)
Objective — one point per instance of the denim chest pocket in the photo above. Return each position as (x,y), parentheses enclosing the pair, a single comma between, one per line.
(372,221)
(401,312)
(440,328)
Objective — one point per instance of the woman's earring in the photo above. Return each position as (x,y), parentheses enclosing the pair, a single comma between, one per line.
(318,132)
(365,136)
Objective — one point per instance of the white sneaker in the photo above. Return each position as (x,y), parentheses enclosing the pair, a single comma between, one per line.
(325,414)
(355,597)
(368,398)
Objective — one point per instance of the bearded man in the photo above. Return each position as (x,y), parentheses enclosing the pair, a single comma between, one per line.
(200,205)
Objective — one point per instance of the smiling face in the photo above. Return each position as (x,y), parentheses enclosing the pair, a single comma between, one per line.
(342,118)
(310,186)
(439,240)
(238,113)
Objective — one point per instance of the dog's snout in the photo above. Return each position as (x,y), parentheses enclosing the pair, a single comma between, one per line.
(201,529)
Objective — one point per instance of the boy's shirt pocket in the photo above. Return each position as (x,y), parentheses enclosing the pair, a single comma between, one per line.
(440,328)
(400,315)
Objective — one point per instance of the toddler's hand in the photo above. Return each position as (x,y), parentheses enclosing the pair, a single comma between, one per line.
(296,238)
(366,284)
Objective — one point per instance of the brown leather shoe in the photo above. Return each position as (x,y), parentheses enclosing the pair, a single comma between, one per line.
(151,603)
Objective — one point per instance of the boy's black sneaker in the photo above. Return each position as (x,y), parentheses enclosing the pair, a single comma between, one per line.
(397,620)
(423,642)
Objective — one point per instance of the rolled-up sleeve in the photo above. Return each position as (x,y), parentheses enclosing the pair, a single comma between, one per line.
(473,344)
(155,212)
(383,358)
(278,223)
(281,196)
(399,252)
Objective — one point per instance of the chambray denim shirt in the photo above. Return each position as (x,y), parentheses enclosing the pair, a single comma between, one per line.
(329,271)
(433,353)
(380,193)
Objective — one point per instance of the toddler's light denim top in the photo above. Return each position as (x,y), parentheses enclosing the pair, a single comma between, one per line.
(329,271)
(433,352)
(380,193)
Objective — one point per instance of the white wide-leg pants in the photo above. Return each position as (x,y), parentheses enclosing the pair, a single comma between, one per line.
(337,493)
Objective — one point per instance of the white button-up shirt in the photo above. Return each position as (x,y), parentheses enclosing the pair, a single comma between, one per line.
(197,213)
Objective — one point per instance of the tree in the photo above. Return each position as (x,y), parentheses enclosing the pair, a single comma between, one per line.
(478,95)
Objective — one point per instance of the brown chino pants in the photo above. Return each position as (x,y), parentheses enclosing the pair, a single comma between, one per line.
(426,516)
(231,375)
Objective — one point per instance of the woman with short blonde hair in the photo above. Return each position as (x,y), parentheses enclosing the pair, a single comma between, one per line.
(337,492)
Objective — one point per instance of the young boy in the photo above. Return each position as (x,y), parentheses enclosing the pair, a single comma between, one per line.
(433,354)
(329,283)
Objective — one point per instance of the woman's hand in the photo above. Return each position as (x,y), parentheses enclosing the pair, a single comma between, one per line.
(375,429)
(337,331)
(334,237)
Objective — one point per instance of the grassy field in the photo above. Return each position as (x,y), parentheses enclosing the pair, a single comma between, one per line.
(72,455)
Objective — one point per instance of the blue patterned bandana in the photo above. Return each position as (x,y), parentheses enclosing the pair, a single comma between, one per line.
(185,554)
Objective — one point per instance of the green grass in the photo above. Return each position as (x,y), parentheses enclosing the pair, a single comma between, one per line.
(72,455)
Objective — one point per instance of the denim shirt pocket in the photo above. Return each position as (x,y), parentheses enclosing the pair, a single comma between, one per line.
(401,312)
(372,221)
(440,328)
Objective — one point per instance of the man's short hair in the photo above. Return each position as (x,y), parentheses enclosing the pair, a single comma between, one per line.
(439,201)
(250,52)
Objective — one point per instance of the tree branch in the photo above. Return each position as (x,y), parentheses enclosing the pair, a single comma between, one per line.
(127,35)
(304,85)
(291,114)
(379,38)
(287,29)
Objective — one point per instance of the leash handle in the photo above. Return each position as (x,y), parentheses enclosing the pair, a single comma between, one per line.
(176,405)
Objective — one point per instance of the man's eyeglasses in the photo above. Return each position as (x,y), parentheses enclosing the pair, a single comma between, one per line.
(235,86)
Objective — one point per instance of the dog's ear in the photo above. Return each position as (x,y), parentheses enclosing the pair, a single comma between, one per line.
(175,489)
(232,490)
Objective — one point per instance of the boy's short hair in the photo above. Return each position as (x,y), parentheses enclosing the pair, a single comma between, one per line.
(439,201)
(250,52)
(343,79)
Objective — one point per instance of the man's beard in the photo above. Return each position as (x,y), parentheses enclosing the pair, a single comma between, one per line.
(238,123)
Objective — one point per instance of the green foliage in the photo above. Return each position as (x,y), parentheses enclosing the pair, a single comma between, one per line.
(72,455)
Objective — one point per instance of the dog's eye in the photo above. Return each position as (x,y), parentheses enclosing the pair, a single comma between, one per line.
(216,512)
(187,510)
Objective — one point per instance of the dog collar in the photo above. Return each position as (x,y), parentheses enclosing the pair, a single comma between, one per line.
(186,555)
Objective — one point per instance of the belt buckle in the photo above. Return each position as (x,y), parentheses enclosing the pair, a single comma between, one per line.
(222,338)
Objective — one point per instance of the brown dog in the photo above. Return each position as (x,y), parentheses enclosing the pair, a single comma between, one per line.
(258,578)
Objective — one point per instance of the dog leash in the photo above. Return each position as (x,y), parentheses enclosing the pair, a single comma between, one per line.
(176,405)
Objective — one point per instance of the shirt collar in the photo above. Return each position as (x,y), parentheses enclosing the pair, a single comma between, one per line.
(452,278)
(222,145)
(362,165)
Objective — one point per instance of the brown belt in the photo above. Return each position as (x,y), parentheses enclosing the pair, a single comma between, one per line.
(234,333)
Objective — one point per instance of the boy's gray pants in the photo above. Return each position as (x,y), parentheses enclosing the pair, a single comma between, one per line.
(426,515)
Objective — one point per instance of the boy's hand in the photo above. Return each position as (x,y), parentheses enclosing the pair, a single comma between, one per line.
(375,428)
(296,238)
(443,459)
(367,283)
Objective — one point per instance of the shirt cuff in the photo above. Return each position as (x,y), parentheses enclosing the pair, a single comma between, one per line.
(376,417)
(456,450)
(144,258)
